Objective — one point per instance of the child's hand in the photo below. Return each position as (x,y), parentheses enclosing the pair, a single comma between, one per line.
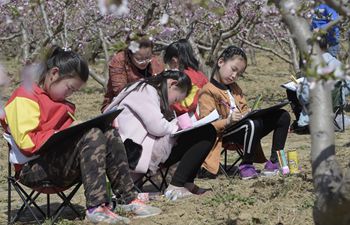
(234,116)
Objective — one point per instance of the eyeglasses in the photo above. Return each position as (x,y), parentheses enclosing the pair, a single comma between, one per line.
(142,61)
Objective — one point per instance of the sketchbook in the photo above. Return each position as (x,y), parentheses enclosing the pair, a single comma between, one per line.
(102,121)
(214,115)
(292,85)
(256,113)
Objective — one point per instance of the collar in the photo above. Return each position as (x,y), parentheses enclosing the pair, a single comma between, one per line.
(219,85)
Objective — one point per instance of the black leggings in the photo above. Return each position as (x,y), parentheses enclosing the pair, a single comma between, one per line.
(252,131)
(191,150)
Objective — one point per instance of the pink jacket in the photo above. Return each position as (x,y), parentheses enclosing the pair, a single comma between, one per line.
(142,121)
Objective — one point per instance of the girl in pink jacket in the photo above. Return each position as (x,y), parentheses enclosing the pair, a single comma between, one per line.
(148,120)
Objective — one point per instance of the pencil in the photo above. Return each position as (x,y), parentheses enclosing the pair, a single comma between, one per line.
(71,116)
(294,79)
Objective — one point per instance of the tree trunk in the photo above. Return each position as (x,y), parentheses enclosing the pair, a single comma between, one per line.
(332,191)
(25,42)
(294,56)
(331,188)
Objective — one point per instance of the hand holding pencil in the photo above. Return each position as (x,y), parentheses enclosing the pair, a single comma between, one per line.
(235,116)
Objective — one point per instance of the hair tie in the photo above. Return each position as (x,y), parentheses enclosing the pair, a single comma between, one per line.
(66,49)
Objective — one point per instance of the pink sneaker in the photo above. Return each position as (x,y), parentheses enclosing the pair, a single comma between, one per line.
(102,214)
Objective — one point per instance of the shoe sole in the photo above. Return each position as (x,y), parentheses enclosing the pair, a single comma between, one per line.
(179,198)
(250,178)
(121,222)
(269,173)
(149,215)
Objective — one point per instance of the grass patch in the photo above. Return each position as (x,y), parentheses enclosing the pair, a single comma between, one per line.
(224,198)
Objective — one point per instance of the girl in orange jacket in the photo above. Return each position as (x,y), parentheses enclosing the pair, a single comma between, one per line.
(224,94)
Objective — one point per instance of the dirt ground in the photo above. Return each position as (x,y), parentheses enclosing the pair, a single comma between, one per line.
(279,200)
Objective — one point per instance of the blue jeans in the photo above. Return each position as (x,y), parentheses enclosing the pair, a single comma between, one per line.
(303,95)
(334,50)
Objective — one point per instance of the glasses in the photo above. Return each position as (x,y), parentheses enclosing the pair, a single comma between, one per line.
(142,61)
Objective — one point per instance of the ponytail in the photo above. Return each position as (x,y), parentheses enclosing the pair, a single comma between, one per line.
(69,63)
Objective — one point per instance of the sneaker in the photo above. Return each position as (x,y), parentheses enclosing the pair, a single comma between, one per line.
(103,214)
(293,126)
(247,172)
(205,174)
(271,168)
(301,129)
(173,193)
(140,209)
(194,189)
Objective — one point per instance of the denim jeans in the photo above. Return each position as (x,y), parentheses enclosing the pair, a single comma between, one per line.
(303,94)
(334,50)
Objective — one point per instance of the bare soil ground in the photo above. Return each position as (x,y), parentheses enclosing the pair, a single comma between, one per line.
(275,200)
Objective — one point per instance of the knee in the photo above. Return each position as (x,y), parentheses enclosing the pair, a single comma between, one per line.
(112,133)
(210,133)
(284,117)
(255,125)
(95,138)
(94,133)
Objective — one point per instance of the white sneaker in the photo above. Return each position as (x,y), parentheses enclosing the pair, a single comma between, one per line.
(173,193)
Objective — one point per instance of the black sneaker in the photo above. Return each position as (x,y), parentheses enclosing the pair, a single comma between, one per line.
(205,174)
(293,125)
(302,130)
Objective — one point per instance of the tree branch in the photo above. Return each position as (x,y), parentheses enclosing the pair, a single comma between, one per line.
(105,50)
(97,78)
(265,49)
(293,52)
(12,36)
(46,21)
(149,16)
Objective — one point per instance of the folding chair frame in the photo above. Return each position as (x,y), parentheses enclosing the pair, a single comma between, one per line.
(225,169)
(29,200)
(339,110)
(139,183)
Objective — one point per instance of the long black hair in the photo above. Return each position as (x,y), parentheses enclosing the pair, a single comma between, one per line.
(231,52)
(159,82)
(69,63)
(182,50)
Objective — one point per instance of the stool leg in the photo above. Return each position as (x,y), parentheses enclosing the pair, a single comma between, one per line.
(48,206)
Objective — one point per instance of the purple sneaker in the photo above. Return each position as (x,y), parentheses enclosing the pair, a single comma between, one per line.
(271,169)
(247,171)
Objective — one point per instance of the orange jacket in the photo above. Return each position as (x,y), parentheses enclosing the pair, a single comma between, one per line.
(31,117)
(214,96)
(122,71)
